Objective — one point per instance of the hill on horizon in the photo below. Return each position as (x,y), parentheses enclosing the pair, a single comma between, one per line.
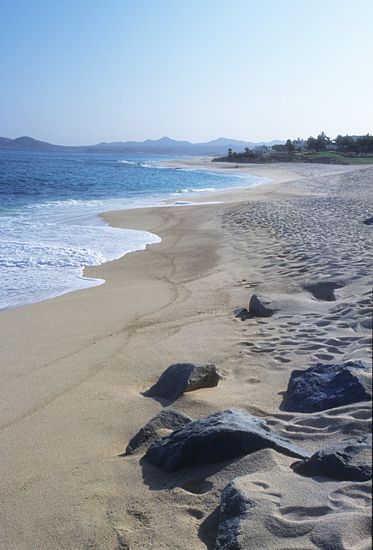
(164,145)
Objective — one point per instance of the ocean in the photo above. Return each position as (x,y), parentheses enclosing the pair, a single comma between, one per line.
(49,205)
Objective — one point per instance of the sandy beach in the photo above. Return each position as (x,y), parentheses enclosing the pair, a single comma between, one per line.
(73,370)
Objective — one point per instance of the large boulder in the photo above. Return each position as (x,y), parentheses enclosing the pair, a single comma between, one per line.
(262,305)
(183,377)
(348,460)
(168,419)
(221,436)
(325,386)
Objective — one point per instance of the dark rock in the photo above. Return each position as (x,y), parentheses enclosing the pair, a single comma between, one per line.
(262,306)
(170,419)
(241,313)
(279,509)
(234,508)
(326,386)
(368,221)
(324,290)
(349,460)
(181,378)
(221,436)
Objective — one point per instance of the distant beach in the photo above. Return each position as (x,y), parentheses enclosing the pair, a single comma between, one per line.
(75,368)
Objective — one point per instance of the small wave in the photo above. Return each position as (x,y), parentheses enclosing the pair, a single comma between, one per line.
(137,163)
(128,162)
(145,164)
(65,203)
(195,190)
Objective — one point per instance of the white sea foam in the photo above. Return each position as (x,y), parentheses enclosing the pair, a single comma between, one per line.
(143,164)
(128,162)
(195,190)
(41,259)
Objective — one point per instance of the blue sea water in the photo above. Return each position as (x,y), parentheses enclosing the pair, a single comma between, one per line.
(49,205)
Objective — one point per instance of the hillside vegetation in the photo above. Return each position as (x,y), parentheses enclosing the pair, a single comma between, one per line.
(340,150)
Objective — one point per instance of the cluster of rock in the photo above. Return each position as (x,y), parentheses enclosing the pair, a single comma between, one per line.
(317,388)
(230,434)
(172,440)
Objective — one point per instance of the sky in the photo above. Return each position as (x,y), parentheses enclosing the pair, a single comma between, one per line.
(85,71)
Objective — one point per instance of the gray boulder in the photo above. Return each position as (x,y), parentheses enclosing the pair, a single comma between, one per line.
(349,460)
(327,386)
(169,419)
(262,306)
(221,436)
(183,377)
(234,509)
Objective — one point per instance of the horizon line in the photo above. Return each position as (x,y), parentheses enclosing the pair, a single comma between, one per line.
(164,137)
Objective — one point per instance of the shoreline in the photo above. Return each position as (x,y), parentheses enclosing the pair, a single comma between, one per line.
(81,281)
(274,174)
(74,367)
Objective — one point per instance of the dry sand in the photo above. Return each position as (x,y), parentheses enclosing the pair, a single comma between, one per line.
(73,368)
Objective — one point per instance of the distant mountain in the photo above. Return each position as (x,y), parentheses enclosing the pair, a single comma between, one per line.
(164,145)
(26,142)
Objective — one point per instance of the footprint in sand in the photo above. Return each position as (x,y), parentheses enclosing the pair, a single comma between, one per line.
(197,486)
(300,513)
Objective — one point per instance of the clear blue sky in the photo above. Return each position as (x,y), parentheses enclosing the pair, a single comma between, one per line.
(83,71)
